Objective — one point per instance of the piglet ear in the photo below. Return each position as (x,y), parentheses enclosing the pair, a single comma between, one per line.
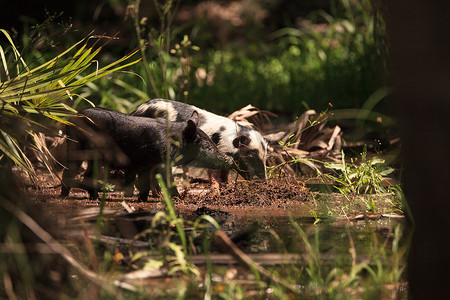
(194,117)
(274,137)
(191,128)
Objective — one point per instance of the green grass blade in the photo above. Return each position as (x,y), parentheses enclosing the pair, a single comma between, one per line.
(15,51)
(10,148)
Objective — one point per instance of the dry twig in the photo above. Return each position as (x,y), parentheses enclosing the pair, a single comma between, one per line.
(243,258)
(258,117)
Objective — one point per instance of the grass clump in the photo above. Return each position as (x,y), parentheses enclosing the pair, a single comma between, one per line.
(364,186)
(364,177)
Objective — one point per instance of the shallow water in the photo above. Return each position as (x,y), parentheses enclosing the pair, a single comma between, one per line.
(333,238)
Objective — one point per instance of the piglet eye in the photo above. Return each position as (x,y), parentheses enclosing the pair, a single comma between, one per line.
(240,141)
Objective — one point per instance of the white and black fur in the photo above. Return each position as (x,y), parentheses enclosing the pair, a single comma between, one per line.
(137,145)
(246,146)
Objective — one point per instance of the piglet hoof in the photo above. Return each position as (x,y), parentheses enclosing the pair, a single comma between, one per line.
(183,194)
(215,188)
(93,195)
(143,198)
(128,191)
(173,193)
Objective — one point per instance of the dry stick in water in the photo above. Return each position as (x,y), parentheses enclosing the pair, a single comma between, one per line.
(240,256)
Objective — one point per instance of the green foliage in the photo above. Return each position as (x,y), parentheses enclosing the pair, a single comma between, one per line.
(167,69)
(362,185)
(30,95)
(351,275)
(336,60)
(385,265)
(337,57)
(363,177)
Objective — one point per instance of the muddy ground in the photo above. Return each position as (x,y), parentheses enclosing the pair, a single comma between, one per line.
(242,199)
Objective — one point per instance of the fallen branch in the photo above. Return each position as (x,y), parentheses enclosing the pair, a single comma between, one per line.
(243,258)
(373,217)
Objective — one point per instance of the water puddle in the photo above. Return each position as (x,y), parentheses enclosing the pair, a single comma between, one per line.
(332,237)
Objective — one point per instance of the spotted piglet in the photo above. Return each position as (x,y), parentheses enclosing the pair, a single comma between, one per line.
(246,146)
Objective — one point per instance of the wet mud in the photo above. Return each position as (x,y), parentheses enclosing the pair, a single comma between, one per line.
(239,199)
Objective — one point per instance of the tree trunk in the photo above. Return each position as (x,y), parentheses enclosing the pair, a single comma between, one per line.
(419,34)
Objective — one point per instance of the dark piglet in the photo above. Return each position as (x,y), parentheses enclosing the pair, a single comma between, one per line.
(137,145)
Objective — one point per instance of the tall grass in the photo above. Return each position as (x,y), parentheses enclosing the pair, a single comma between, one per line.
(166,67)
